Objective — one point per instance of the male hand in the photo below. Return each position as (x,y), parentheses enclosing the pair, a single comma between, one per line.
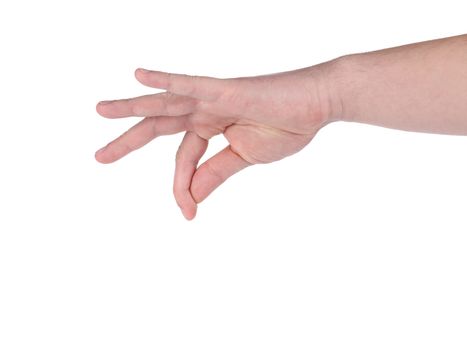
(264,119)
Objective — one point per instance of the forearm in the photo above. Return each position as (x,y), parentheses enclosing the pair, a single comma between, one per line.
(417,87)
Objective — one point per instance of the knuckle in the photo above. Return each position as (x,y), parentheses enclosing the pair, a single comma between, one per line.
(153,125)
(171,105)
(166,102)
(170,78)
(179,154)
(127,147)
(201,106)
(193,80)
(135,107)
(212,171)
(231,88)
(136,110)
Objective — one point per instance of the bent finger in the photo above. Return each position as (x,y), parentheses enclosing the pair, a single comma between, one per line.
(189,153)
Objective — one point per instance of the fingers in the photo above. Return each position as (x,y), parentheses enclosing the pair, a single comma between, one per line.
(145,106)
(189,153)
(203,88)
(139,135)
(214,172)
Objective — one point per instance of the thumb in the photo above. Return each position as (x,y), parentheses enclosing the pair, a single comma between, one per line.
(214,172)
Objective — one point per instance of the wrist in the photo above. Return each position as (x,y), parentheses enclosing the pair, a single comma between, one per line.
(343,80)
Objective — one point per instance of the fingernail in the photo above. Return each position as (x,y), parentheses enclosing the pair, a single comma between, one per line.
(142,70)
(104,102)
(100,150)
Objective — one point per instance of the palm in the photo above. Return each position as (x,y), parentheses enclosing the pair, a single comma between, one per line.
(262,144)
(264,119)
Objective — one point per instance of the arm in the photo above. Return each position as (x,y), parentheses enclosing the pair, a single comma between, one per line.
(419,87)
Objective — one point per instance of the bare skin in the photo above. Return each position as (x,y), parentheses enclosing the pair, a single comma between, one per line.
(418,87)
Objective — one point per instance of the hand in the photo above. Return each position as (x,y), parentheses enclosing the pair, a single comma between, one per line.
(264,119)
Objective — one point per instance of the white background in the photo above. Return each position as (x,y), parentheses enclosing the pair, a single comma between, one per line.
(357,242)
